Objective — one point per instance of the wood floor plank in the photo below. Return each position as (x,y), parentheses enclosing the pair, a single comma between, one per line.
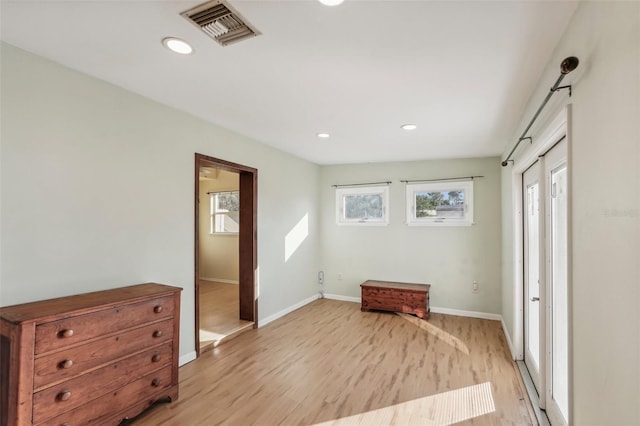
(328,363)
(219,313)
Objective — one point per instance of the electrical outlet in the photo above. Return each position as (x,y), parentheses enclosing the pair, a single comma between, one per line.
(339,276)
(476,288)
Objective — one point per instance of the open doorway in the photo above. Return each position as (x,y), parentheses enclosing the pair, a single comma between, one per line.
(225,250)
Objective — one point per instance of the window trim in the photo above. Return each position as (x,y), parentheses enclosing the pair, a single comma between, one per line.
(413,188)
(342,192)
(213,213)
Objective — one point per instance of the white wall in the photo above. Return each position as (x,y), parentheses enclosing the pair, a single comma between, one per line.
(604,161)
(448,258)
(97,192)
(219,255)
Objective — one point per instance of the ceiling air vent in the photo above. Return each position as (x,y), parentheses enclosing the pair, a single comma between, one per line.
(220,22)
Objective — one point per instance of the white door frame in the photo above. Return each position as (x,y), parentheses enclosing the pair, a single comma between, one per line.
(554,159)
(556,128)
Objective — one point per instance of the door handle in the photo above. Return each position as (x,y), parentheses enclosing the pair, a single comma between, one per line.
(535,299)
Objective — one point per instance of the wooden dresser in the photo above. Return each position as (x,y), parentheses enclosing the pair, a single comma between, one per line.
(94,358)
(396,297)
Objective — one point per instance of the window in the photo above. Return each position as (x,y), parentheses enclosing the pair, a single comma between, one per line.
(362,206)
(440,204)
(225,212)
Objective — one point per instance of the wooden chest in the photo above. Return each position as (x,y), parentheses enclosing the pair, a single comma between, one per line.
(94,358)
(396,297)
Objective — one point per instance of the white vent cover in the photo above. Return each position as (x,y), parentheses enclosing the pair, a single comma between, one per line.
(220,22)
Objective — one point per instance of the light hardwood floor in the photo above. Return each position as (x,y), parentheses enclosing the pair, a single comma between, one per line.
(219,313)
(330,363)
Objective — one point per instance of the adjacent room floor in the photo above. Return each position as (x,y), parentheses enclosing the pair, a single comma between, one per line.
(329,363)
(219,313)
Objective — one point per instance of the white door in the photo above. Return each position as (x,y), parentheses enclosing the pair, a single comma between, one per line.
(531,227)
(557,330)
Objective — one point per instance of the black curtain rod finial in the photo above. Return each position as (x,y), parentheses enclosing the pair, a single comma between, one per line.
(569,64)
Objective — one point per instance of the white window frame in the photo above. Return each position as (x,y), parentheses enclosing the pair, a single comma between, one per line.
(446,186)
(343,192)
(214,213)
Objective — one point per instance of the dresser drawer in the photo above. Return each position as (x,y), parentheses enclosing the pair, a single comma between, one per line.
(75,392)
(68,363)
(150,387)
(68,331)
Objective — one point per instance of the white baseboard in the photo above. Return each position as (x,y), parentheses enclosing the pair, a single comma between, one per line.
(271,318)
(471,314)
(220,280)
(186,358)
(342,298)
(509,343)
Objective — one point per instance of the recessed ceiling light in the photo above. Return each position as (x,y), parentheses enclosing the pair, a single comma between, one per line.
(177,45)
(331,2)
(323,135)
(409,127)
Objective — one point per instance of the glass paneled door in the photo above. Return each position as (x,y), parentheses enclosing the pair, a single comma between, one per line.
(545,224)
(557,233)
(532,311)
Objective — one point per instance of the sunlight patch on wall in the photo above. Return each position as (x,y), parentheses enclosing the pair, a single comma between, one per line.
(296,236)
(440,409)
(437,332)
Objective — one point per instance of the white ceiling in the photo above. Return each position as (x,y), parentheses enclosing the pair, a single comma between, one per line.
(461,70)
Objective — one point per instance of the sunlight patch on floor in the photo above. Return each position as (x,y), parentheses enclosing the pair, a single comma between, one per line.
(437,332)
(441,409)
(210,339)
(209,336)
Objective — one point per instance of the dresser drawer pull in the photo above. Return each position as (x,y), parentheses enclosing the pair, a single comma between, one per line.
(67,363)
(157,309)
(66,333)
(155,382)
(64,396)
(155,358)
(157,333)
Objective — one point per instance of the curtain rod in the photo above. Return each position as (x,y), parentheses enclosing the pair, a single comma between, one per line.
(363,184)
(569,64)
(441,180)
(222,192)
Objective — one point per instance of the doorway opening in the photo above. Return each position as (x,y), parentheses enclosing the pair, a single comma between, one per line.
(225,250)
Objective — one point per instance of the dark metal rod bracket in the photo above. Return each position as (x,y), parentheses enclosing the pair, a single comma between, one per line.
(563,87)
